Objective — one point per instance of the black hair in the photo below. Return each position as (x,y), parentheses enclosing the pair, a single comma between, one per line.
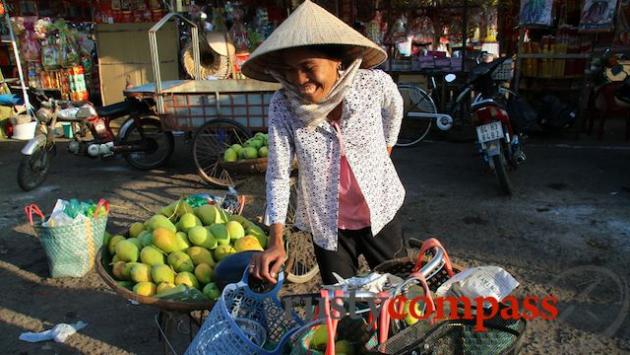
(332,51)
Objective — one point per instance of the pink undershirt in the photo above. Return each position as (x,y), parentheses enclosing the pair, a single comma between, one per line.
(354,213)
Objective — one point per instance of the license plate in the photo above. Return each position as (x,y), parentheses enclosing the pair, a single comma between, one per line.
(489,132)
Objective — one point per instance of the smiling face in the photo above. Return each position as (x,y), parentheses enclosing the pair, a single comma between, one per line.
(313,72)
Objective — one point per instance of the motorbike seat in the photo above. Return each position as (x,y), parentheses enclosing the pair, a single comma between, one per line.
(114,110)
(486,103)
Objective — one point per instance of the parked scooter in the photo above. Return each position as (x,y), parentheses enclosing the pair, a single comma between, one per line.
(140,139)
(499,145)
(622,93)
(609,96)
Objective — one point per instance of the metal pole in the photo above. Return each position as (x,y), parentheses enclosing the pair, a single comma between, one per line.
(16,53)
(464,35)
(196,55)
(156,71)
(519,60)
(155,60)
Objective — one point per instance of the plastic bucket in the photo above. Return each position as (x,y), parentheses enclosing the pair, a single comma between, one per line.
(67,129)
(24,131)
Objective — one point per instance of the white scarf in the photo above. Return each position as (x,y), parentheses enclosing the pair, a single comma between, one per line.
(313,114)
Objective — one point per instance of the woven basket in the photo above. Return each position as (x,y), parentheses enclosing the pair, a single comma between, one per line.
(249,166)
(212,63)
(70,249)
(223,332)
(104,269)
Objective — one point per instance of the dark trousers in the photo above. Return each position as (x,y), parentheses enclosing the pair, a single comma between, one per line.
(387,244)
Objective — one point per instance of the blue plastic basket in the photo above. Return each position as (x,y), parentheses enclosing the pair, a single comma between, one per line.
(245,322)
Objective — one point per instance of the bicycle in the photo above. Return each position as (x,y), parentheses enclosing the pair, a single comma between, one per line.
(421,107)
(420,111)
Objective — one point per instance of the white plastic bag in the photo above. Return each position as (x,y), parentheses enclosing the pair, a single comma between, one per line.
(58,333)
(482,281)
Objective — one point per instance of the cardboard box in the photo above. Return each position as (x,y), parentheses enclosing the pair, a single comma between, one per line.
(124,56)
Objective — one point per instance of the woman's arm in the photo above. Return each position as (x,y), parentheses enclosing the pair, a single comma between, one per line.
(391,109)
(267,264)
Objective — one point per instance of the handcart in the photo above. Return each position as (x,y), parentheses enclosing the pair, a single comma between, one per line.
(218,113)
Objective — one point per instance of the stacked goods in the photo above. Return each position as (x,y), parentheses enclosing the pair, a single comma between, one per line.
(175,251)
(253,148)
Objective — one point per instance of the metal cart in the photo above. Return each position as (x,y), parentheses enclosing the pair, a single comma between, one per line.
(219,113)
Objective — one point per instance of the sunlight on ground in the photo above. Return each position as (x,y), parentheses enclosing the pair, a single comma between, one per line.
(79,342)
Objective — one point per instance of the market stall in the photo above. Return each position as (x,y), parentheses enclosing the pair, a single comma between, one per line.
(558,42)
(56,46)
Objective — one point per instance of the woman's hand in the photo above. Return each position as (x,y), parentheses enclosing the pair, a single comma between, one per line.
(265,265)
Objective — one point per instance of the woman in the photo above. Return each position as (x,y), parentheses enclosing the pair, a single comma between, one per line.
(340,122)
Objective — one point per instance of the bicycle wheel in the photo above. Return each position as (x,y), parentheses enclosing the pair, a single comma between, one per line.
(301,265)
(210,142)
(414,129)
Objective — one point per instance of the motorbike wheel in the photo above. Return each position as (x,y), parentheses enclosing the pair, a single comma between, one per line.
(33,169)
(163,141)
(500,170)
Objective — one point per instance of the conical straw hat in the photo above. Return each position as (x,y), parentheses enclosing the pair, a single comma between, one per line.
(310,25)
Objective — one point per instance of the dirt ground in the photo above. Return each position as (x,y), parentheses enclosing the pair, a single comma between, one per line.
(565,232)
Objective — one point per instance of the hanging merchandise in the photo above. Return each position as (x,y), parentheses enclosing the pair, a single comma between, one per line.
(491,17)
(238,33)
(261,29)
(67,45)
(623,24)
(78,88)
(598,15)
(536,12)
(218,19)
(423,31)
(474,26)
(50,54)
(401,37)
(374,28)
(28,43)
(156,10)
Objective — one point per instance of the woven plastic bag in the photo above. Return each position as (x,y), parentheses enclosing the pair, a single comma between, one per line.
(71,248)
(459,337)
(243,321)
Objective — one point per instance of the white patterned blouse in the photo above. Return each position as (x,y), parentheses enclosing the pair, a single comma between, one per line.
(370,122)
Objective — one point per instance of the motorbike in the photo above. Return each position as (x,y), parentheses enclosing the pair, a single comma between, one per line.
(621,94)
(140,139)
(610,83)
(497,141)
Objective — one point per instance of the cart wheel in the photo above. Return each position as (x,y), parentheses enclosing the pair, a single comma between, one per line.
(301,265)
(210,142)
